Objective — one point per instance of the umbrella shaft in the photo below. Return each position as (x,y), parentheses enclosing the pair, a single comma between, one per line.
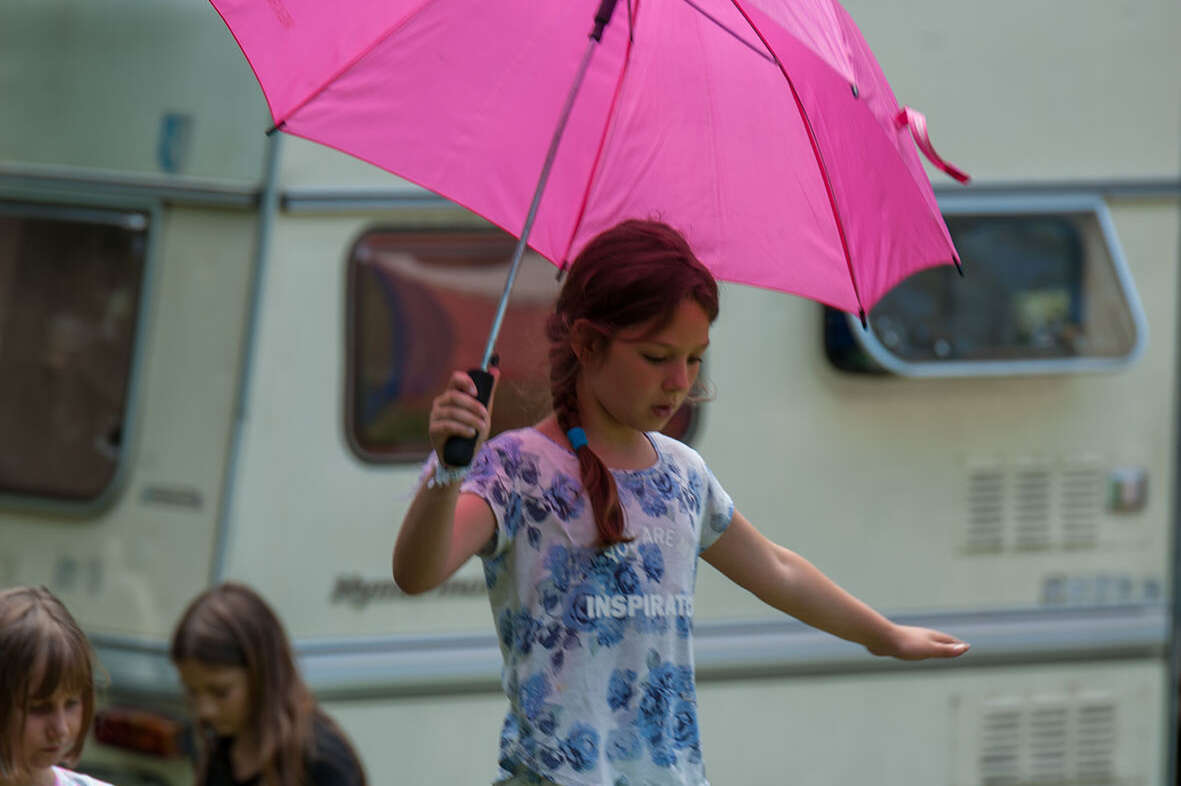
(522,242)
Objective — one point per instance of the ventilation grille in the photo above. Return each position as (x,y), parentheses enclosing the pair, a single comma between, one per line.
(1033,507)
(1048,741)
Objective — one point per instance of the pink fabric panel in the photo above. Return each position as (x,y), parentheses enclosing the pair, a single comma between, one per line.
(890,229)
(475,125)
(700,140)
(294,46)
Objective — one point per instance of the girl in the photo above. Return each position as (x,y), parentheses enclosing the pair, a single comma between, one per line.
(589,525)
(259,724)
(46,690)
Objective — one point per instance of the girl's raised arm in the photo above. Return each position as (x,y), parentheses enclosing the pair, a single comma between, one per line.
(443,528)
(784,580)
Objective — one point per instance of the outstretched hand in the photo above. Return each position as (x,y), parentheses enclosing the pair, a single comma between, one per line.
(456,412)
(908,642)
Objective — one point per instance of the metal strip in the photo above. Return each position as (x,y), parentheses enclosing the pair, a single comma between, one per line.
(354,199)
(268,209)
(1024,203)
(129,187)
(418,665)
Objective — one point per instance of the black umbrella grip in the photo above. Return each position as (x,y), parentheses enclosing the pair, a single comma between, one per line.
(457,451)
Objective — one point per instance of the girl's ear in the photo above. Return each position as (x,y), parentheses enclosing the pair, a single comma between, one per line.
(586,340)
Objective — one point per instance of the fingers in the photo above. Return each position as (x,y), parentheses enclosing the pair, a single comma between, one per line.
(456,412)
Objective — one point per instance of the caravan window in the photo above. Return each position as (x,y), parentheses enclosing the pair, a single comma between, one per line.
(70,285)
(420,305)
(1044,291)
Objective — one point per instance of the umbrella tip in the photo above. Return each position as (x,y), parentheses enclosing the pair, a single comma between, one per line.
(864,321)
(959,267)
(276,127)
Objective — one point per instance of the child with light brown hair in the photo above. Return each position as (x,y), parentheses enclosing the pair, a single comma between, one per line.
(46,690)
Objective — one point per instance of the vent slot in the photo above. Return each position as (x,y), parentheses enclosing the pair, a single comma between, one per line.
(1081,502)
(1048,740)
(1031,508)
(986,511)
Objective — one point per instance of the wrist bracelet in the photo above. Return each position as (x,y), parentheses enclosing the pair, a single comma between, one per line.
(445,476)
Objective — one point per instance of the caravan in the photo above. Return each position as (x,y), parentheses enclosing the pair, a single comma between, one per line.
(217,349)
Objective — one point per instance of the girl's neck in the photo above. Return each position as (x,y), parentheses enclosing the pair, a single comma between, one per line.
(623,448)
(244,756)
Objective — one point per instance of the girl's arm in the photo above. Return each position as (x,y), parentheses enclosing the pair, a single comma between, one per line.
(443,528)
(783,579)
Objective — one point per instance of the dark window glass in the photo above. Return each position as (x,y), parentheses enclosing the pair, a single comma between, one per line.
(70,287)
(420,305)
(1037,287)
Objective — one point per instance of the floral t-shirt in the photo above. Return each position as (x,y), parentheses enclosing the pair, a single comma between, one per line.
(597,643)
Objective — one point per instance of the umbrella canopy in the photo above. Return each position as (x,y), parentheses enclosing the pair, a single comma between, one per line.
(763,129)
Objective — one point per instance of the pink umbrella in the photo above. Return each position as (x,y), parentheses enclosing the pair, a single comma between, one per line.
(763,129)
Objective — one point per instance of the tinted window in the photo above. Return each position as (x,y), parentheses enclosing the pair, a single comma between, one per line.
(1037,287)
(70,286)
(420,305)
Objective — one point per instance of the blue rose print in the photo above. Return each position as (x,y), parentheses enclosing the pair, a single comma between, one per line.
(691,494)
(623,745)
(685,724)
(536,508)
(664,485)
(581,748)
(533,694)
(564,497)
(534,537)
(684,626)
(576,617)
(653,561)
(624,579)
(549,595)
(547,720)
(508,450)
(663,756)
(557,562)
(514,514)
(550,758)
(494,569)
(608,631)
(504,624)
(654,708)
(620,688)
(524,627)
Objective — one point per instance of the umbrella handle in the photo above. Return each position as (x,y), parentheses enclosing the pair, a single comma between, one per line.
(458,451)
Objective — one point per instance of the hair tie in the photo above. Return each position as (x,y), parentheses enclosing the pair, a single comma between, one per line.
(577,438)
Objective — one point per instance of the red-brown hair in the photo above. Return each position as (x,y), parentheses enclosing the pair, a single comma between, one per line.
(231,625)
(39,640)
(635,273)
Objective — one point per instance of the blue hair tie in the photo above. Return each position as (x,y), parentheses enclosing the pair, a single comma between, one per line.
(577,438)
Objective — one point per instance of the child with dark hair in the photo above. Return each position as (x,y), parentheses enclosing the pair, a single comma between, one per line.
(46,690)
(259,724)
(590,523)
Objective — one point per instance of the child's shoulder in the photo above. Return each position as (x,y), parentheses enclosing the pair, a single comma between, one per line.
(675,450)
(71,778)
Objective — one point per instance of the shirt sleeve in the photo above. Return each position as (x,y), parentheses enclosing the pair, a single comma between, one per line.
(717,512)
(489,481)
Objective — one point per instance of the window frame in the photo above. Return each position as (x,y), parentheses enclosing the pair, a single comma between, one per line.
(65,202)
(967,205)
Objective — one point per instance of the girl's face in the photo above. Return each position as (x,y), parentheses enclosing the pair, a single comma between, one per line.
(52,727)
(641,378)
(218,695)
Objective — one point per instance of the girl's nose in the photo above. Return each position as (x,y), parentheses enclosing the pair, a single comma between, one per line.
(60,725)
(678,377)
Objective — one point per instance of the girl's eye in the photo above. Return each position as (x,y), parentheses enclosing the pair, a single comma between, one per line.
(695,360)
(40,708)
(73,702)
(654,358)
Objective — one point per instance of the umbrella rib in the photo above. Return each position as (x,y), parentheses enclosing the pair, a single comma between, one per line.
(768,57)
(602,144)
(832,201)
(389,31)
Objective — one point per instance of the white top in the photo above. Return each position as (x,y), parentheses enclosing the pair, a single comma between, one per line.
(597,644)
(65,777)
